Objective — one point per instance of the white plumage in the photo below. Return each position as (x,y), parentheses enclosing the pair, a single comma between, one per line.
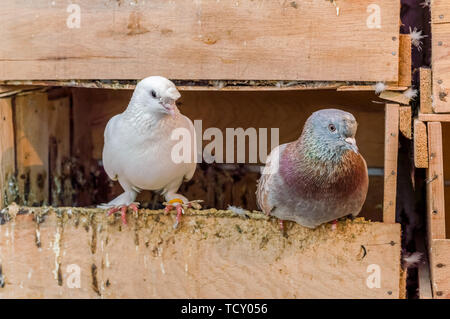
(138,145)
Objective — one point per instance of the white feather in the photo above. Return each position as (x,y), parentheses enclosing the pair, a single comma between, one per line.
(416,38)
(379,87)
(237,210)
(410,93)
(412,260)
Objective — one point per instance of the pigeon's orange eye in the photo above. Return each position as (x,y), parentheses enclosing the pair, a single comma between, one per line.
(153,93)
(332,128)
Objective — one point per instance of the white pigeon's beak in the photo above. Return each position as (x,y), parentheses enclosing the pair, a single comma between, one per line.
(352,142)
(169,107)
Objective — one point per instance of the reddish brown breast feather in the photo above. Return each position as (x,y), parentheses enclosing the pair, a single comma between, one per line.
(339,180)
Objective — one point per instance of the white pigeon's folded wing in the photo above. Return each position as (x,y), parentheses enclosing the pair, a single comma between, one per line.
(109,162)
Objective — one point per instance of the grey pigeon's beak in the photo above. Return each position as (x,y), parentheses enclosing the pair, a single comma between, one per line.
(352,143)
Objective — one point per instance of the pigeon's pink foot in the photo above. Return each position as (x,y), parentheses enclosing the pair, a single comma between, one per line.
(123,211)
(334,225)
(177,204)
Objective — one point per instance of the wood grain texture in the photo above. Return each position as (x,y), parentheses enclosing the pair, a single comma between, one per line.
(390,161)
(446,166)
(423,269)
(404,68)
(31,133)
(187,39)
(434,117)
(441,67)
(435,183)
(440,12)
(425,91)
(405,121)
(213,254)
(440,268)
(7,152)
(396,97)
(420,144)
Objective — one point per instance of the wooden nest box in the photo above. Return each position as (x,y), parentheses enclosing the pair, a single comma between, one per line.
(237,64)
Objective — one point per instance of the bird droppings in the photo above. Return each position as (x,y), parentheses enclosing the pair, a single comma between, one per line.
(94,279)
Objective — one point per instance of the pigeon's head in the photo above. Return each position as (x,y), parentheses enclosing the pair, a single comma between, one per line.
(156,94)
(332,130)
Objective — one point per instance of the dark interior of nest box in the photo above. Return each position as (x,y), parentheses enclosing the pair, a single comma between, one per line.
(76,119)
(446,157)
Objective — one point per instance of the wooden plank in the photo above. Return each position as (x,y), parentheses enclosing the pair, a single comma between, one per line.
(425,91)
(420,144)
(424,276)
(441,68)
(193,39)
(59,152)
(390,161)
(7,153)
(435,183)
(440,268)
(440,12)
(404,68)
(213,254)
(434,117)
(397,97)
(31,125)
(446,166)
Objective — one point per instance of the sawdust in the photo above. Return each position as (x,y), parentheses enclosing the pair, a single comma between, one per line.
(153,227)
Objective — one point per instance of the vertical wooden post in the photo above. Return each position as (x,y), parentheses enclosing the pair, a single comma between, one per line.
(390,162)
(404,61)
(7,152)
(435,183)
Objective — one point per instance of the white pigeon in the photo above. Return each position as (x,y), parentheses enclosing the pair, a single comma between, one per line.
(138,146)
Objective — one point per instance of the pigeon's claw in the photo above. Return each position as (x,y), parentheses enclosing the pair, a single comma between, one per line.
(180,206)
(123,211)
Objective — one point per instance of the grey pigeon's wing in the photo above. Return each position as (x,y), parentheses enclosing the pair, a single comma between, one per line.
(269,181)
(108,158)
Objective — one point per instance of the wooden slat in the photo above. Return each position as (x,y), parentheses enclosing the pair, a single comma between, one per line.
(189,39)
(31,125)
(441,68)
(440,268)
(212,254)
(435,183)
(446,166)
(440,11)
(434,117)
(396,97)
(404,69)
(390,162)
(7,153)
(405,121)
(424,276)
(425,91)
(420,144)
